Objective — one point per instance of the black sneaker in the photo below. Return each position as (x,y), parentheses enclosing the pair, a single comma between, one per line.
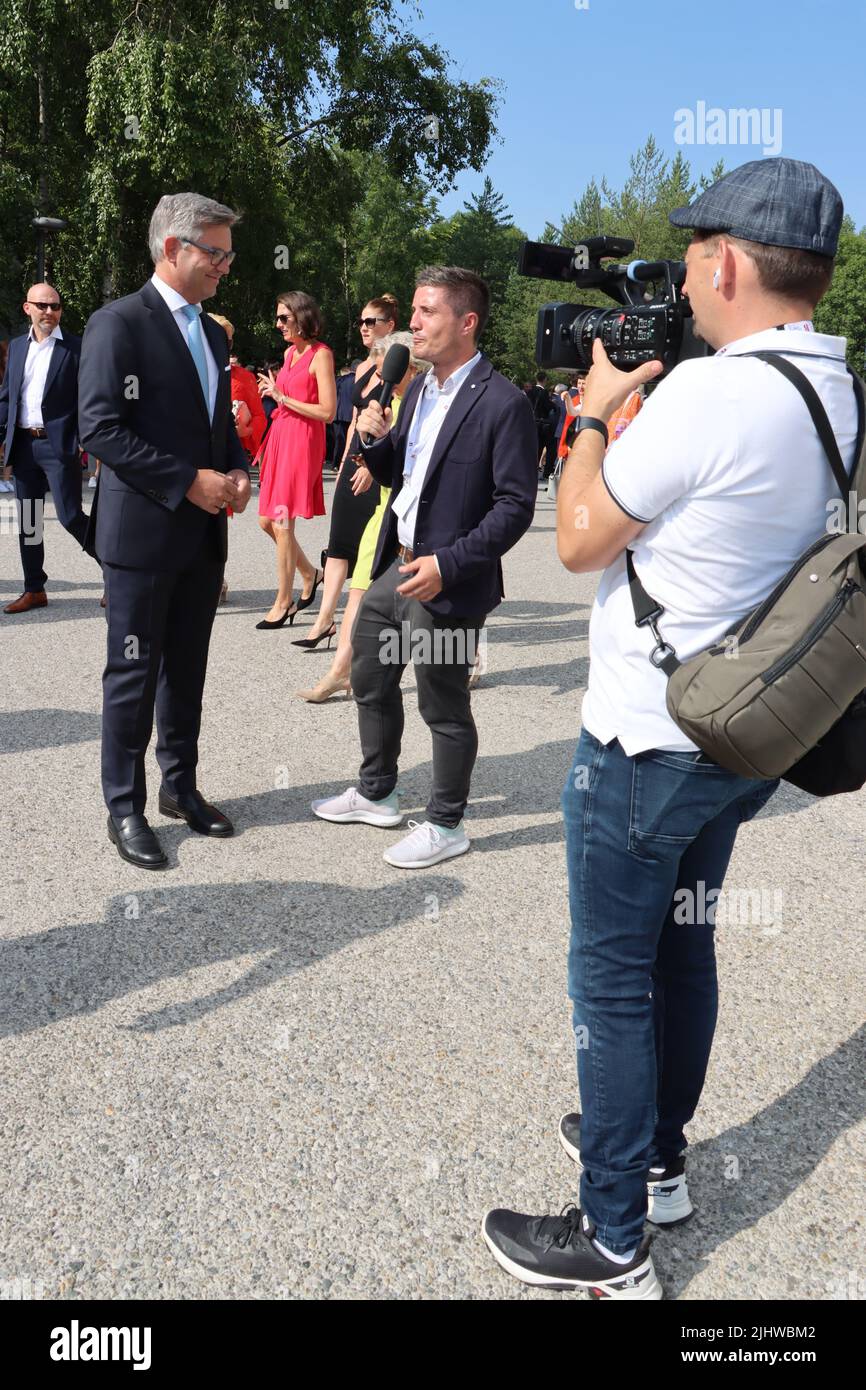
(667,1189)
(556,1252)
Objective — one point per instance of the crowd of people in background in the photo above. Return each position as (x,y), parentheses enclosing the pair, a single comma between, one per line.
(295,417)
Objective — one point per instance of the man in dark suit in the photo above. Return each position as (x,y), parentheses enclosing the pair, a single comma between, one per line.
(462,466)
(343,418)
(39,434)
(544,411)
(155,407)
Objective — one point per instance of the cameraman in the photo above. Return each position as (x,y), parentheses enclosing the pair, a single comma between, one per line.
(717,488)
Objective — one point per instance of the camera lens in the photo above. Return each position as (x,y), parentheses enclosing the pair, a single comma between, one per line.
(589,325)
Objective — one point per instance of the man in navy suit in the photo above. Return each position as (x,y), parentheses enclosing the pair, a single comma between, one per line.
(462,466)
(155,407)
(39,433)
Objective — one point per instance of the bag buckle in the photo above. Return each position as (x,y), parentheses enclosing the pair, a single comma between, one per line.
(662,649)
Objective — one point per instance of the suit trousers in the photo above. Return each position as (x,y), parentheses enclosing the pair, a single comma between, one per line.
(390,632)
(159,627)
(36,468)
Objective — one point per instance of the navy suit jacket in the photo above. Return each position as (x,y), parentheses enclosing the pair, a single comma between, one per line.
(142,412)
(59,399)
(479,493)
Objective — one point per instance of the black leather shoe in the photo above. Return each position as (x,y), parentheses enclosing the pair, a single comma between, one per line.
(136,842)
(198,813)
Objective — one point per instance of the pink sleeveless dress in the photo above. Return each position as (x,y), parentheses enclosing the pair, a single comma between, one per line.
(292,456)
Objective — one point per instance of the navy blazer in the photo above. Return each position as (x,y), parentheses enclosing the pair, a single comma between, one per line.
(142,412)
(59,399)
(479,493)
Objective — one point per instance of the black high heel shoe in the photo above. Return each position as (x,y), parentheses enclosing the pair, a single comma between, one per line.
(303,603)
(290,613)
(309,644)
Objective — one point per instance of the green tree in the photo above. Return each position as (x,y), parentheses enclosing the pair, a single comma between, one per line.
(105,106)
(843,309)
(482,237)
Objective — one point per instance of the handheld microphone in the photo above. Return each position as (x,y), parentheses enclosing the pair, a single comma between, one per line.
(392,372)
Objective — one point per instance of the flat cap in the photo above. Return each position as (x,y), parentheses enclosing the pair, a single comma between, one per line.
(777,202)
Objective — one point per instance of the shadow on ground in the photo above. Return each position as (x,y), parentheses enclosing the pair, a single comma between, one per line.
(775,1152)
(26,729)
(506,784)
(159,934)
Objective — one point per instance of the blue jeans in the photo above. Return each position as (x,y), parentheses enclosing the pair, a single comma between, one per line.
(642,983)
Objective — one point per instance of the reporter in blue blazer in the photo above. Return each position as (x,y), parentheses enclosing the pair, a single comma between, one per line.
(155,407)
(462,466)
(39,434)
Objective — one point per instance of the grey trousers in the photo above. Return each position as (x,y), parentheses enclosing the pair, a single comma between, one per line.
(390,632)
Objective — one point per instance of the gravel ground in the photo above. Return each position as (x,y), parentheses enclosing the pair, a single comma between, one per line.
(283,1069)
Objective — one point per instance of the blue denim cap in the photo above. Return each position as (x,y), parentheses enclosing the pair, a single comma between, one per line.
(777,202)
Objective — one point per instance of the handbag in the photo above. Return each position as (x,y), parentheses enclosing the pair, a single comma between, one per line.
(553,480)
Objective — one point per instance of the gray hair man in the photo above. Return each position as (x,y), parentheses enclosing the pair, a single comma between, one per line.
(155,407)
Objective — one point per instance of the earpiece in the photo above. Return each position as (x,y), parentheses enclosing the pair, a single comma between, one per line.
(717,277)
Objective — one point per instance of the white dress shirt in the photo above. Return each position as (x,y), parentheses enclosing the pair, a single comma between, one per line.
(176,304)
(434,402)
(35,376)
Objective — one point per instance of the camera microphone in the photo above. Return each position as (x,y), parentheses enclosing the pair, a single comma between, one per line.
(640,271)
(392,372)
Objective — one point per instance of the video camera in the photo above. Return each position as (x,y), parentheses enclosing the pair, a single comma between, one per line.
(653,322)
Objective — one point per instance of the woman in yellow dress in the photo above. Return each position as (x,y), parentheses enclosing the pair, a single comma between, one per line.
(337,678)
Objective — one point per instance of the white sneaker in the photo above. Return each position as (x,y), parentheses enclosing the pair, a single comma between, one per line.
(427,844)
(350,805)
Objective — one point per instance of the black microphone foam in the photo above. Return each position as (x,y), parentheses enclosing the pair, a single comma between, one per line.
(392,372)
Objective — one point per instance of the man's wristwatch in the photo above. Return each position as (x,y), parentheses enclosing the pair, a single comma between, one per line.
(588,422)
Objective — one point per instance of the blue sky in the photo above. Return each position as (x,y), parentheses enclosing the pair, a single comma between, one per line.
(583,88)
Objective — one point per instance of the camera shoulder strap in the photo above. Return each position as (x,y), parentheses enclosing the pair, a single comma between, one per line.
(819,415)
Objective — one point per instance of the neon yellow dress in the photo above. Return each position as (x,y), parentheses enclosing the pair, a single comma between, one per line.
(363,574)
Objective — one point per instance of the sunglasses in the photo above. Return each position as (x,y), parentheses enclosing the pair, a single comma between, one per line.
(370,323)
(217,255)
(38,304)
(283,319)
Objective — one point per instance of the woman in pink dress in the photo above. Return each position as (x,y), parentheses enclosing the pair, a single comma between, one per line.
(291,458)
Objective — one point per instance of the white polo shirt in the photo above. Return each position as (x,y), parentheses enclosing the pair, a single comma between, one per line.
(725,465)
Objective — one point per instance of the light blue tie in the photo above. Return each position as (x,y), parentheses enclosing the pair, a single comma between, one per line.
(196,346)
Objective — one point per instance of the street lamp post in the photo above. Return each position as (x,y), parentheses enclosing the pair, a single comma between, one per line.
(44,225)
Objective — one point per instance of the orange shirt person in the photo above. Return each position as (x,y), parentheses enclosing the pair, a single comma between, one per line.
(618,422)
(250,419)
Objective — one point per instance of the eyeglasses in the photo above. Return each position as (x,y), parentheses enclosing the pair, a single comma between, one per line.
(217,255)
(284,318)
(38,304)
(369,323)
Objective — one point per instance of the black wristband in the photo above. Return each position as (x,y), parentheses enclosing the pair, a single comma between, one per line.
(588,422)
